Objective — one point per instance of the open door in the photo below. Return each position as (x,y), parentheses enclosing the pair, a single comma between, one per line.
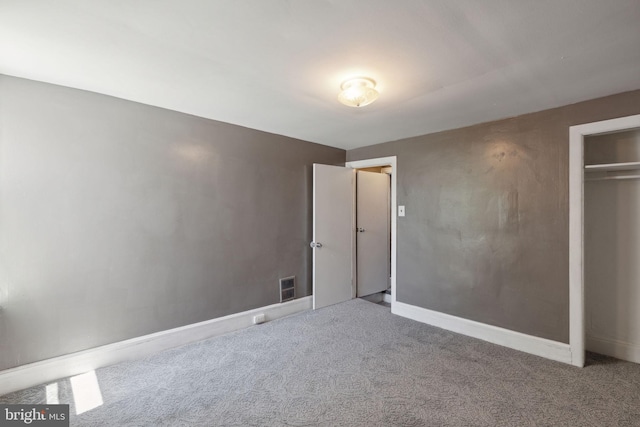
(333,234)
(373,232)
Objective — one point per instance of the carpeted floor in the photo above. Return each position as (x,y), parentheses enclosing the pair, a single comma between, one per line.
(354,364)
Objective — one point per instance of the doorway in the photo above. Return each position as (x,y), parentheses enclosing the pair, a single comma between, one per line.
(577,135)
(373,233)
(385,165)
(612,244)
(334,231)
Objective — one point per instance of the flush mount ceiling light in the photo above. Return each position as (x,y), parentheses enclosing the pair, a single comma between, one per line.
(358,92)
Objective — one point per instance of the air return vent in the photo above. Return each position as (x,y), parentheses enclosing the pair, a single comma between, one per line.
(287,288)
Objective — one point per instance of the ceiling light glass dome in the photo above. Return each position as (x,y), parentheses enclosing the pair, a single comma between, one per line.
(358,92)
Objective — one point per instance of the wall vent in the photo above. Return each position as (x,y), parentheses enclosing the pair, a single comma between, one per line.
(287,288)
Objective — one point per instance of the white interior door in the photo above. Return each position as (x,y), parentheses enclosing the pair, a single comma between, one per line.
(373,232)
(333,234)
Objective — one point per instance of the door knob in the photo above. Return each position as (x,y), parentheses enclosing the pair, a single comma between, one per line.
(315,245)
(360,230)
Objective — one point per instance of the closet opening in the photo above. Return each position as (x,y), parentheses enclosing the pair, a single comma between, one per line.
(603,237)
(612,244)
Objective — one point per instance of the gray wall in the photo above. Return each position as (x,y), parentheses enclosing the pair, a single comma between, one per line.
(485,235)
(119,219)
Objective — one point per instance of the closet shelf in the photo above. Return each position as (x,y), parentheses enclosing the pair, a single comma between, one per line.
(612,167)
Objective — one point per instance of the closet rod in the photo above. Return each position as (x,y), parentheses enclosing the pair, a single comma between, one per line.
(605,178)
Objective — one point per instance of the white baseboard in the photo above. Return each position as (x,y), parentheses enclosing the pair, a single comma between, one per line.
(33,374)
(549,349)
(613,347)
(386,298)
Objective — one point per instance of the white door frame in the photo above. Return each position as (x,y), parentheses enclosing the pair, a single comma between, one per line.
(576,225)
(385,161)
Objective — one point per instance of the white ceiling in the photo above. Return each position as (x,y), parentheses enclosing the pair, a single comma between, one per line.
(276,65)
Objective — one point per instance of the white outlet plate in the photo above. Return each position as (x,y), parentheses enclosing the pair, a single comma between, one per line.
(400,210)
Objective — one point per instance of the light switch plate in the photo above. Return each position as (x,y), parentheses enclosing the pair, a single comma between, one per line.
(400,210)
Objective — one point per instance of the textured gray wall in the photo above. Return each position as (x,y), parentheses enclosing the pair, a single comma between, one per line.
(119,219)
(485,235)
